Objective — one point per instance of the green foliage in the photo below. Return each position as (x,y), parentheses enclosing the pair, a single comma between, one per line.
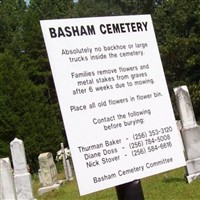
(25,112)
(133,7)
(195,98)
(35,55)
(177,25)
(89,8)
(177,32)
(93,8)
(28,100)
(28,110)
(11,15)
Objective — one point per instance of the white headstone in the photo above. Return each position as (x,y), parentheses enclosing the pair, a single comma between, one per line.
(69,169)
(190,132)
(190,129)
(66,164)
(64,161)
(48,173)
(39,175)
(179,127)
(6,180)
(48,169)
(22,177)
(185,107)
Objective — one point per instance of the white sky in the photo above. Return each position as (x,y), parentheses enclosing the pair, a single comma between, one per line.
(27,1)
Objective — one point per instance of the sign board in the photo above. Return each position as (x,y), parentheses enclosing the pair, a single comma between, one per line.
(114,99)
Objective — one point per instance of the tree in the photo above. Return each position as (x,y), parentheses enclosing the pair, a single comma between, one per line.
(94,8)
(25,112)
(11,15)
(35,55)
(29,107)
(177,25)
(38,69)
(136,7)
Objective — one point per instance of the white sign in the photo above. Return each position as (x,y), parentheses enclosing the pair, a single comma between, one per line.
(114,99)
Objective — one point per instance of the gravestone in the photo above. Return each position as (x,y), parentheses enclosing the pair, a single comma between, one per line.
(6,180)
(66,164)
(22,178)
(70,175)
(185,107)
(48,173)
(179,127)
(48,169)
(40,176)
(190,132)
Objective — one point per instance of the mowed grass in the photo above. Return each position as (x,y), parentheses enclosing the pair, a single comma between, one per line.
(170,185)
(69,191)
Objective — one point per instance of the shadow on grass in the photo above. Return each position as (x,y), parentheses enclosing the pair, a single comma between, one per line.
(174,180)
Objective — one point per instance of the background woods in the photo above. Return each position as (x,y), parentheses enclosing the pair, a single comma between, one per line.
(28,101)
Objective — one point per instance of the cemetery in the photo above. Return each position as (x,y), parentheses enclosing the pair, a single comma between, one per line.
(17,183)
(48,184)
(99,100)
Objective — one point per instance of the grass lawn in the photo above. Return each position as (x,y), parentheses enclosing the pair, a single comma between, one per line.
(166,186)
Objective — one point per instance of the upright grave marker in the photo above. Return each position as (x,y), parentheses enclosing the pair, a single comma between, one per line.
(48,173)
(114,99)
(48,169)
(7,186)
(185,107)
(190,132)
(66,164)
(22,178)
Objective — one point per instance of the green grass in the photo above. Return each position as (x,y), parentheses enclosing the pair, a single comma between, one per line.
(69,191)
(166,186)
(170,186)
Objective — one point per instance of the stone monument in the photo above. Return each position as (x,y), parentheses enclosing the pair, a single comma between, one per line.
(6,180)
(190,132)
(48,173)
(22,178)
(66,164)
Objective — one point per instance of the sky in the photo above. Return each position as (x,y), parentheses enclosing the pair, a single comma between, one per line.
(27,1)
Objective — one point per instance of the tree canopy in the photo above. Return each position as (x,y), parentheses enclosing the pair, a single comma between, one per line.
(28,100)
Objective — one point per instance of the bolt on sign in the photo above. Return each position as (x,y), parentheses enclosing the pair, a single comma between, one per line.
(113,98)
